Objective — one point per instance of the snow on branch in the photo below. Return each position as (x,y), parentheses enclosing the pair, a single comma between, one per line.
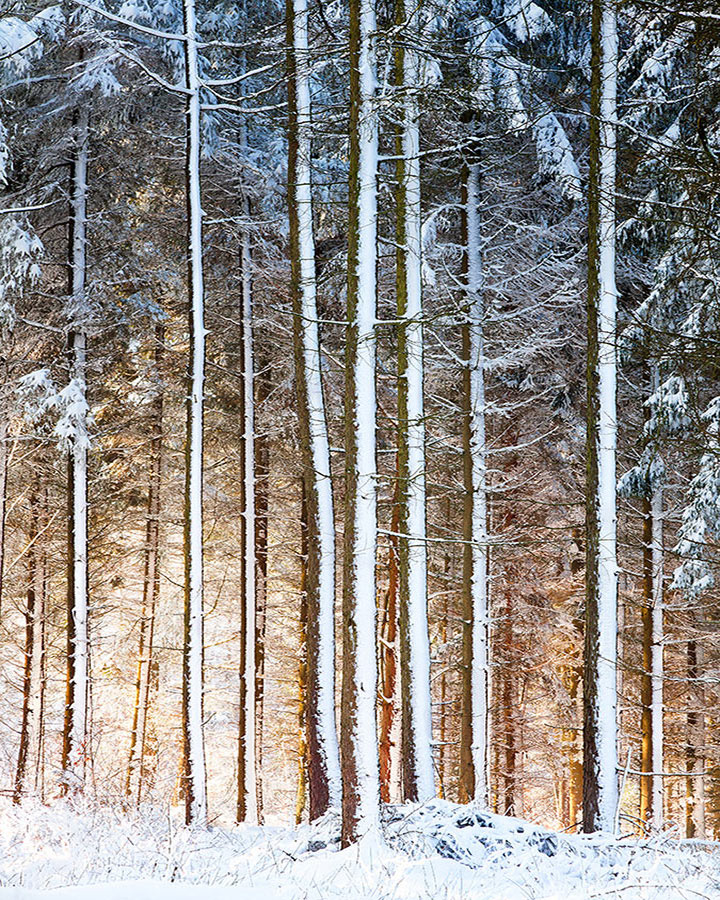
(701,517)
(21,43)
(42,399)
(20,249)
(555,156)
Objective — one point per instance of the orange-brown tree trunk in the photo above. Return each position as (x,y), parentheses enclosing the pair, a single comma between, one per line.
(31,613)
(388,660)
(151,587)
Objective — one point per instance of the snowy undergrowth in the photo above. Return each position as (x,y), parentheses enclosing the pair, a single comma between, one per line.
(438,851)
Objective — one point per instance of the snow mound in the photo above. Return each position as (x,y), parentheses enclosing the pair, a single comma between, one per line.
(432,851)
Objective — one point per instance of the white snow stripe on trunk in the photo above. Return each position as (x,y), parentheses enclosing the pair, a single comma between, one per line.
(195,739)
(79,460)
(327,731)
(478,453)
(418,643)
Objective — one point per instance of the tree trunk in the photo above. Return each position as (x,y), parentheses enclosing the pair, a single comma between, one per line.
(75,724)
(151,584)
(262,487)
(600,793)
(359,750)
(651,785)
(509,705)
(301,796)
(444,638)
(388,668)
(247,805)
(33,649)
(476,624)
(418,780)
(3,475)
(657,668)
(325,787)
(571,676)
(40,641)
(194,778)
(646,731)
(695,751)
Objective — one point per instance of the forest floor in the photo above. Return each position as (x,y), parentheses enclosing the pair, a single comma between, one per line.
(439,851)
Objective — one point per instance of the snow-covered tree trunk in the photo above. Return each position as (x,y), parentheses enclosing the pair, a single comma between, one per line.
(247,806)
(358,741)
(474,721)
(418,781)
(600,791)
(75,726)
(248,788)
(194,781)
(325,787)
(151,584)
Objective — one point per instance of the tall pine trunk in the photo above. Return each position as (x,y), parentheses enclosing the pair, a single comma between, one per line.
(418,781)
(358,741)
(657,665)
(652,736)
(325,787)
(695,747)
(194,777)
(151,586)
(600,792)
(40,645)
(509,708)
(3,475)
(475,640)
(75,724)
(445,637)
(390,729)
(572,776)
(262,502)
(301,795)
(247,799)
(32,671)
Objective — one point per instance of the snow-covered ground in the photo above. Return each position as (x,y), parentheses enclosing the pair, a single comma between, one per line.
(439,851)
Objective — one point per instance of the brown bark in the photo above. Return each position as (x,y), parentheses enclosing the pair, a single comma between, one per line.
(44,581)
(509,703)
(262,475)
(593,816)
(467,769)
(248,621)
(151,586)
(301,797)
(695,748)
(70,634)
(388,659)
(646,740)
(317,763)
(3,477)
(572,792)
(444,634)
(31,611)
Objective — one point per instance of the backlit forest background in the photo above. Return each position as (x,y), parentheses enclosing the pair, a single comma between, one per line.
(124,126)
